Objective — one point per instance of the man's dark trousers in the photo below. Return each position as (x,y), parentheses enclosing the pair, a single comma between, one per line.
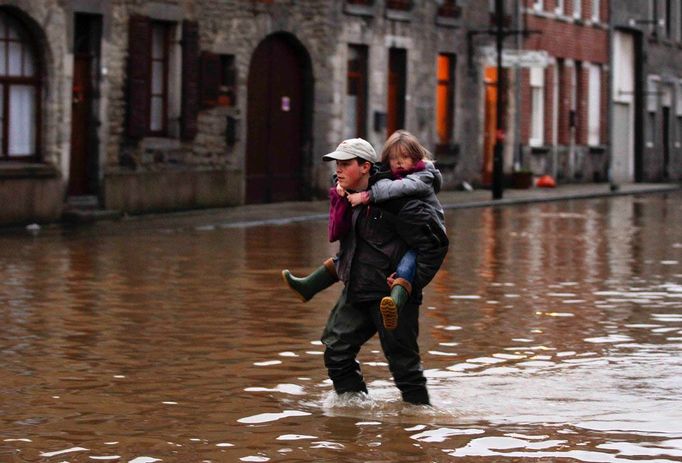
(350,325)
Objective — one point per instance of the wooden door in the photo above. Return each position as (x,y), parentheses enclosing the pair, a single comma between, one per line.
(80,125)
(276,104)
(397,80)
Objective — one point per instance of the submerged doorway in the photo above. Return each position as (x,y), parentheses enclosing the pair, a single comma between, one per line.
(278,124)
(84,161)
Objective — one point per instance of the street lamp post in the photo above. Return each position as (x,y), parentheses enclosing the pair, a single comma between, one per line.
(498,151)
(500,34)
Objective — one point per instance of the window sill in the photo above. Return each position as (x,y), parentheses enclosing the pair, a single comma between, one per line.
(398,15)
(12,169)
(358,10)
(160,143)
(447,21)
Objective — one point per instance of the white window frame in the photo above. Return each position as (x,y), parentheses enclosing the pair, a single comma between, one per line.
(594,105)
(537,117)
(653,83)
(577,9)
(560,7)
(538,5)
(596,13)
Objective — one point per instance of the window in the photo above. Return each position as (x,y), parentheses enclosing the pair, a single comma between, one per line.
(218,80)
(449,9)
(538,5)
(679,20)
(596,13)
(403,5)
(163,75)
(667,18)
(537,89)
(560,7)
(652,90)
(651,130)
(594,105)
(356,92)
(577,9)
(158,104)
(19,91)
(577,103)
(445,95)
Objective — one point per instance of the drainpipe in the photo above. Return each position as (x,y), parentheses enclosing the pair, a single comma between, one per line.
(518,154)
(613,186)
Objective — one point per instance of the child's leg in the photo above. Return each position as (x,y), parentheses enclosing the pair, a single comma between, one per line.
(407,266)
(306,287)
(401,289)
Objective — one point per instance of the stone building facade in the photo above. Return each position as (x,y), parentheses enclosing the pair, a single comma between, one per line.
(140,106)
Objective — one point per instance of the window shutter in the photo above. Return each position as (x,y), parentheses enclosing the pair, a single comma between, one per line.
(190,79)
(210,79)
(139,28)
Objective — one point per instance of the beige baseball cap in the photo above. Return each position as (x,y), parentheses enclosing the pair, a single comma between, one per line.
(353,148)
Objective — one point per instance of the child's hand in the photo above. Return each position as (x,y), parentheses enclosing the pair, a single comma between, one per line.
(391,279)
(357,199)
(340,190)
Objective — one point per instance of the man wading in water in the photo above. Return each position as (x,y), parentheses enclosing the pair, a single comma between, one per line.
(380,235)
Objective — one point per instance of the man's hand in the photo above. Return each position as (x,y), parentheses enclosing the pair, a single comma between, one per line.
(357,199)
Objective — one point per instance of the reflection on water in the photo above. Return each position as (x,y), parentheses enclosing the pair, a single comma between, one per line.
(553,331)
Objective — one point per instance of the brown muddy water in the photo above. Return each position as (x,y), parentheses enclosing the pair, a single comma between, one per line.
(552,333)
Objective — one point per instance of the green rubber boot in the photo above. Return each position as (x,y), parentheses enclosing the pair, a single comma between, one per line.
(390,305)
(306,287)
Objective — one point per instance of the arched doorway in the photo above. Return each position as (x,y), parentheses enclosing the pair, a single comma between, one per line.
(278,124)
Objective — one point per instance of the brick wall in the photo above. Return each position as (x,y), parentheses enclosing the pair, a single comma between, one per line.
(573,45)
(526,105)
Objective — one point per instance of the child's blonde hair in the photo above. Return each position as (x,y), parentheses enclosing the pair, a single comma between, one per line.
(403,142)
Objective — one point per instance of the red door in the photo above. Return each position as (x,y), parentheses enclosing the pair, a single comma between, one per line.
(275,125)
(397,79)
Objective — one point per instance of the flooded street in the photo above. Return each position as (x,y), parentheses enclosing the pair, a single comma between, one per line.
(553,331)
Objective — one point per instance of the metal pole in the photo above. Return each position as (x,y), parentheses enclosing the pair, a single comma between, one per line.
(499,133)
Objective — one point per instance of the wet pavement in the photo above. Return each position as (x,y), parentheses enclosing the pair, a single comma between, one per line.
(553,332)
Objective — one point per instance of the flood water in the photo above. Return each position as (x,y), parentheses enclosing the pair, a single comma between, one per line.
(553,332)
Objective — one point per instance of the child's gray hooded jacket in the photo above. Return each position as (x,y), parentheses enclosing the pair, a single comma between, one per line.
(422,184)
